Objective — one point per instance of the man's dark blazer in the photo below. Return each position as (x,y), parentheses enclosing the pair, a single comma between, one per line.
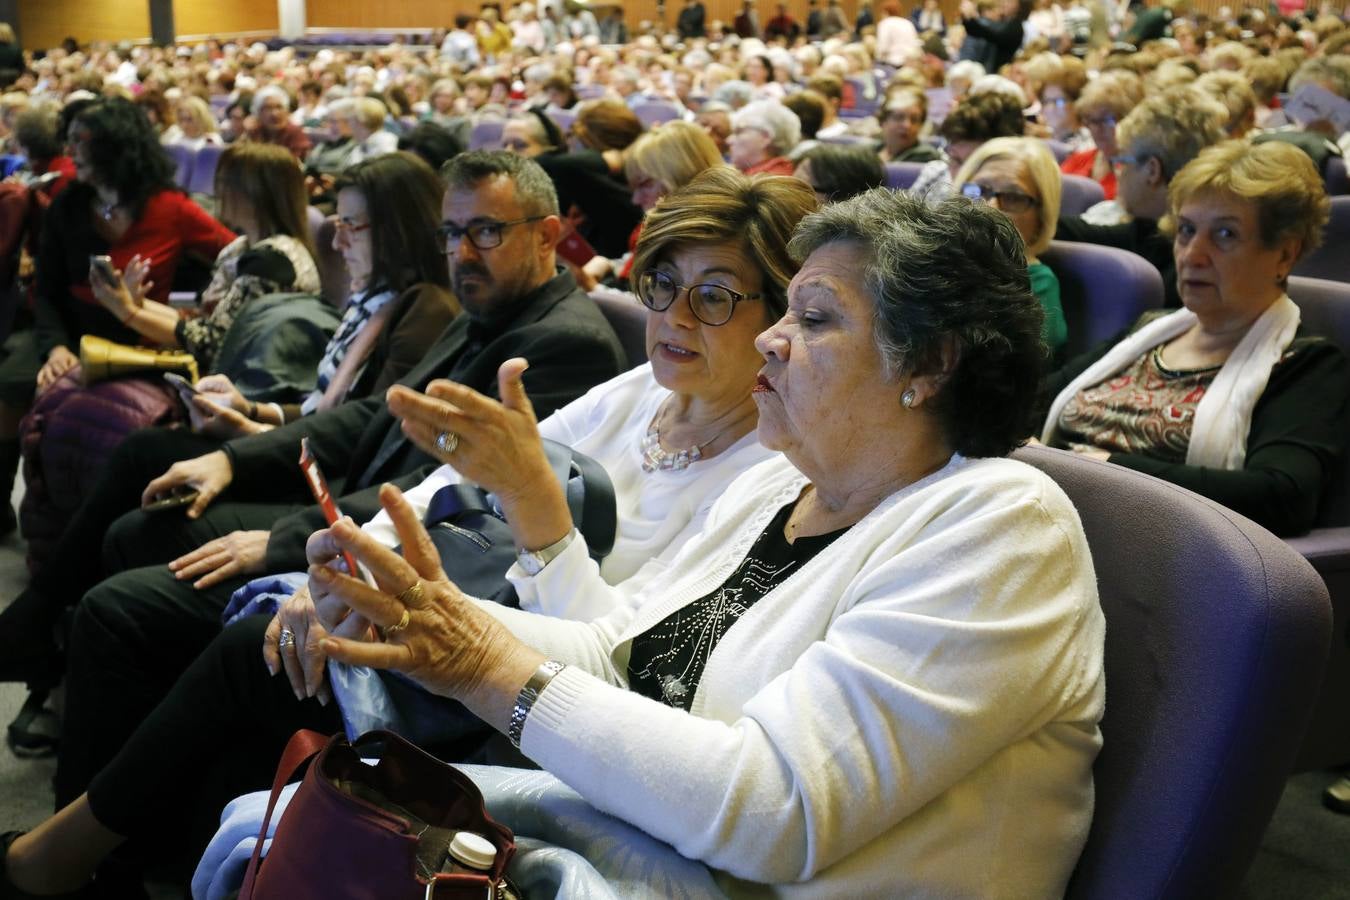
(570,347)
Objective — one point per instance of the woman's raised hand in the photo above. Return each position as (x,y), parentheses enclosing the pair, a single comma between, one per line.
(431,632)
(494,444)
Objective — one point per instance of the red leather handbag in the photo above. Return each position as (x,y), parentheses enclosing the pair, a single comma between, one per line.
(381,832)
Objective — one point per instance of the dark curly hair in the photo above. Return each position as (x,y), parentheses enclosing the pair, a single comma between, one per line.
(839,172)
(981,117)
(955,271)
(125,151)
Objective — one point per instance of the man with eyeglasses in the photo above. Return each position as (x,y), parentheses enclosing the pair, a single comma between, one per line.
(500,228)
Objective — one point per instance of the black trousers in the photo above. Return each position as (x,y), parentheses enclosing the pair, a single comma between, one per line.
(217,733)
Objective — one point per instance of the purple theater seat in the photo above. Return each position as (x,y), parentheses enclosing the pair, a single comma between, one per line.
(628,317)
(563,118)
(654,112)
(1080,192)
(900,175)
(846,140)
(203,179)
(1102,289)
(1216,632)
(1060,149)
(1336,180)
(1330,260)
(1325,310)
(487,134)
(183,158)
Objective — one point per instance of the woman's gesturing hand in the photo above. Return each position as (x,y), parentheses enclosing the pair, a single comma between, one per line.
(494,444)
(431,632)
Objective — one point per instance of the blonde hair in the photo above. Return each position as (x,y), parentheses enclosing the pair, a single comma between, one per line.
(1279,179)
(1173,127)
(7,33)
(1267,77)
(199,111)
(1118,91)
(722,206)
(1040,165)
(1236,94)
(369,111)
(671,154)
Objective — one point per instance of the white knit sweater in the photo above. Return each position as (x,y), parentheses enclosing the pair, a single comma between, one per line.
(913,713)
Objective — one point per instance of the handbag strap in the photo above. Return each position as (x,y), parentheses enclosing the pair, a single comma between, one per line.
(303,746)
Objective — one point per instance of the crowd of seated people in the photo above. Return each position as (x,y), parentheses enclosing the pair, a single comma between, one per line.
(829,359)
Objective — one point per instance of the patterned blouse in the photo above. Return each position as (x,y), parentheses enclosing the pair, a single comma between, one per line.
(360,310)
(1146,408)
(243,273)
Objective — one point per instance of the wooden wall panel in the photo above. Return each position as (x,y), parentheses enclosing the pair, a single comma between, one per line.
(198,17)
(46,22)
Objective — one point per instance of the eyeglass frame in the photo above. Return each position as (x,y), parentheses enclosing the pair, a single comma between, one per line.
(981,193)
(1107,121)
(445,232)
(677,289)
(343,226)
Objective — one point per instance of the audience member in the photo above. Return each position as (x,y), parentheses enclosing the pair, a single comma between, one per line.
(973,121)
(902,119)
(839,172)
(1102,104)
(763,133)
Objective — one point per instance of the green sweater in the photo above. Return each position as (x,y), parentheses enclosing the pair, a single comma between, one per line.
(1045,285)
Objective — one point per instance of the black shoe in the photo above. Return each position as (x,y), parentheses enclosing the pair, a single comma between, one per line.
(36,730)
(10,892)
(9,523)
(1337,795)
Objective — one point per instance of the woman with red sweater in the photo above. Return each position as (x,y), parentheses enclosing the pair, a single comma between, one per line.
(123,203)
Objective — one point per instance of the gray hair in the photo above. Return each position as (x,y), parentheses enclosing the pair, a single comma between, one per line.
(534,189)
(266,93)
(774,119)
(734,93)
(954,272)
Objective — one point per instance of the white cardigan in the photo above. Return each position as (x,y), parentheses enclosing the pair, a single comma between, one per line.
(657,511)
(912,713)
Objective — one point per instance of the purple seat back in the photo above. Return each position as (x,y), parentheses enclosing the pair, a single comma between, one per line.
(654,112)
(1324,308)
(1336,180)
(1060,149)
(1080,192)
(563,118)
(845,140)
(183,158)
(900,175)
(1216,635)
(628,318)
(203,179)
(1102,289)
(487,134)
(1330,260)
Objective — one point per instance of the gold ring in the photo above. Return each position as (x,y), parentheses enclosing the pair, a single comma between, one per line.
(411,595)
(402,623)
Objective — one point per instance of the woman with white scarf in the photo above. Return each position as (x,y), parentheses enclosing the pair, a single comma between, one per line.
(1228,396)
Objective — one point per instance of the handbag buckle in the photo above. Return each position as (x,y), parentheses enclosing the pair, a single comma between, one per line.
(431,889)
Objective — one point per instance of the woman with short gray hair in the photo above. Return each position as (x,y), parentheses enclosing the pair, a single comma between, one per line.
(885,700)
(762,135)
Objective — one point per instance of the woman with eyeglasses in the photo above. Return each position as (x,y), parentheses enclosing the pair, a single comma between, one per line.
(389,209)
(1103,103)
(1019,178)
(902,119)
(672,434)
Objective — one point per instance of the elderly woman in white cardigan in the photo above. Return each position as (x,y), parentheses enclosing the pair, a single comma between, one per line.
(1228,397)
(882,657)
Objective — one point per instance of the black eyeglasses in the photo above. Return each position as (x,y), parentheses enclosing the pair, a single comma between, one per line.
(711,304)
(483,235)
(1008,201)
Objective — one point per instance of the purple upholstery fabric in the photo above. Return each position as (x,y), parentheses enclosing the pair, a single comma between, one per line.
(629,320)
(1216,633)
(1103,290)
(1079,193)
(1330,260)
(203,180)
(334,283)
(900,175)
(1336,180)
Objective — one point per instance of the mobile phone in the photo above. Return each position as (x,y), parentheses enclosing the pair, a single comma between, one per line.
(181,383)
(318,486)
(103,266)
(179,496)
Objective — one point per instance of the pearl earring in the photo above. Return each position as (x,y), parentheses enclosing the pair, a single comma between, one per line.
(907,398)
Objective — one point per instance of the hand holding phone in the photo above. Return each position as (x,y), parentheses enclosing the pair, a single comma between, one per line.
(102,268)
(182,495)
(318,485)
(182,384)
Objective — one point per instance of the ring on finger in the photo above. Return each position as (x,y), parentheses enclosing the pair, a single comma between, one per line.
(411,595)
(402,624)
(447,442)
(286,638)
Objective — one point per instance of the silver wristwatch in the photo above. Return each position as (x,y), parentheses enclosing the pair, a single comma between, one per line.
(528,694)
(533,561)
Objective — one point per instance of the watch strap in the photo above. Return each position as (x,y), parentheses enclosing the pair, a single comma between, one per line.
(528,695)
